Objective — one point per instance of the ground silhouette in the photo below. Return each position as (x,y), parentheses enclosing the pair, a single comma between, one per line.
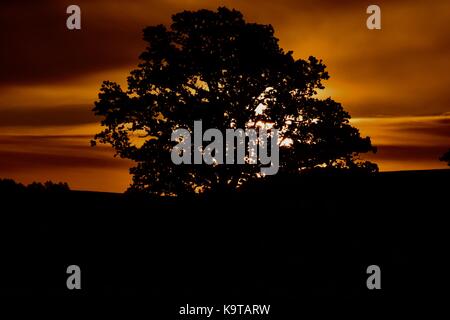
(286,240)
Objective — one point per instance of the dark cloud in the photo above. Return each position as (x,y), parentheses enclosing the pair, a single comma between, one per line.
(53,144)
(62,147)
(15,160)
(408,153)
(53,137)
(36,116)
(440,127)
(37,46)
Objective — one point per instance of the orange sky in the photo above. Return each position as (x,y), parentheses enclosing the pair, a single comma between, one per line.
(393,81)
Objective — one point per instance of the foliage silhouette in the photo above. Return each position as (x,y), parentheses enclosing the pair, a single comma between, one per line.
(446,157)
(215,67)
(10,186)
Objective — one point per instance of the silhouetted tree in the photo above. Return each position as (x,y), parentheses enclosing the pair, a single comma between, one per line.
(36,187)
(56,187)
(446,157)
(10,186)
(213,66)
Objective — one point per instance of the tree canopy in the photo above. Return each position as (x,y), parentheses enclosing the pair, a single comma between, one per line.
(215,67)
(446,157)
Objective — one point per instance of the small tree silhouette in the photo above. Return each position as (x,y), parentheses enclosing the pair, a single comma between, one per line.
(446,157)
(10,186)
(215,67)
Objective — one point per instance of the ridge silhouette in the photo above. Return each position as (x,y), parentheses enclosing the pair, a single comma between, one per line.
(282,240)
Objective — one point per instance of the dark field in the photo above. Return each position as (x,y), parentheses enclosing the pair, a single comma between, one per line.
(302,240)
